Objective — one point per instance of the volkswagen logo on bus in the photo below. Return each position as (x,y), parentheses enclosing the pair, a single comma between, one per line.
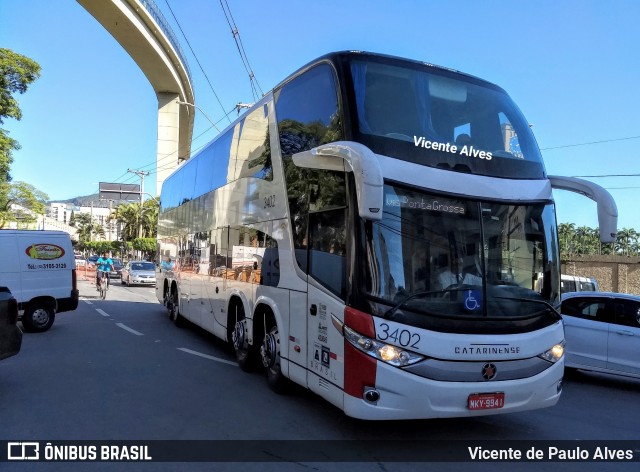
(489,371)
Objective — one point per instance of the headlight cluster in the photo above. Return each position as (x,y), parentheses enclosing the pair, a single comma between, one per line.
(385,352)
(554,354)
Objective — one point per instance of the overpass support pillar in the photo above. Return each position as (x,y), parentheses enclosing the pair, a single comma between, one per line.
(168,136)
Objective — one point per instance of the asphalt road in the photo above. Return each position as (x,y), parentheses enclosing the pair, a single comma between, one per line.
(118,369)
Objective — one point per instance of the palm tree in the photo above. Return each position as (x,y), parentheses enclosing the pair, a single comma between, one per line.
(149,219)
(625,239)
(137,222)
(566,237)
(87,228)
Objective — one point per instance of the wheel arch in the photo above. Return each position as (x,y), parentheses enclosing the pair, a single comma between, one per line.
(42,300)
(236,297)
(266,306)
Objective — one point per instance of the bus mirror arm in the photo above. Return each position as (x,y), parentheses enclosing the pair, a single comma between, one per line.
(348,156)
(607,209)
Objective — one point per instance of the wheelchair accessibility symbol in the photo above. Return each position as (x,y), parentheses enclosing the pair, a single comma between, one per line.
(473,300)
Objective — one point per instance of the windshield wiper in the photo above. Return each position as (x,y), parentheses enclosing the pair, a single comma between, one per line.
(551,308)
(389,313)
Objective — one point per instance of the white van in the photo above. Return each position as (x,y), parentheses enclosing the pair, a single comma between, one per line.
(571,283)
(39,268)
(574,283)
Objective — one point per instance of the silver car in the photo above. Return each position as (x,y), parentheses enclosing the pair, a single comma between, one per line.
(602,332)
(139,273)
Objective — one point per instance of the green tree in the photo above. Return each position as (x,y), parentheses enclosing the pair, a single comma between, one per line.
(17,72)
(20,202)
(87,228)
(135,221)
(147,246)
(625,240)
(127,215)
(566,237)
(149,218)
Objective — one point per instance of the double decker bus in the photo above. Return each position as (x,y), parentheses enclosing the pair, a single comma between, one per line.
(381,231)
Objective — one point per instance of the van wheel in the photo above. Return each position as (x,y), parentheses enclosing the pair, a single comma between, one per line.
(270,353)
(38,318)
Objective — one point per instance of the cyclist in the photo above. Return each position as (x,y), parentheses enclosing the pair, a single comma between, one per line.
(104,265)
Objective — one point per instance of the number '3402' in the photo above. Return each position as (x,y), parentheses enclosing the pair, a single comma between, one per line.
(404,337)
(270,201)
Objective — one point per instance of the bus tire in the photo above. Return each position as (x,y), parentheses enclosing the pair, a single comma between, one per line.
(174,310)
(246,354)
(166,300)
(270,355)
(38,317)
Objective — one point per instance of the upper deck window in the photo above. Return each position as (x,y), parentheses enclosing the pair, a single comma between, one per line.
(443,119)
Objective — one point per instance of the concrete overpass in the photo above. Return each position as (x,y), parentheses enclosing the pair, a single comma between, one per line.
(141,29)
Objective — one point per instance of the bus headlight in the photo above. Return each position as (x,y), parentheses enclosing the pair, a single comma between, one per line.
(385,352)
(554,354)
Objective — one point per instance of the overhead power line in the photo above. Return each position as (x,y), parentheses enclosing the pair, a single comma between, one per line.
(589,143)
(195,57)
(243,55)
(608,175)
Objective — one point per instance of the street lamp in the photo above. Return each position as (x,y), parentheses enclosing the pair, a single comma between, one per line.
(200,110)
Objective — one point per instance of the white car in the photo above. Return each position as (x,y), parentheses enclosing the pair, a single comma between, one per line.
(602,332)
(80,262)
(139,273)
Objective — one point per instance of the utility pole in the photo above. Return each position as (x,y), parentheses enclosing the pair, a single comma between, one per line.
(141,174)
(91,223)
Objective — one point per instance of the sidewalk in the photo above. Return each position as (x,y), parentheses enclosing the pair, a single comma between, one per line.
(86,282)
(87,289)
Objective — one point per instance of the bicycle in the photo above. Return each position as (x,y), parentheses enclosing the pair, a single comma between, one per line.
(103,283)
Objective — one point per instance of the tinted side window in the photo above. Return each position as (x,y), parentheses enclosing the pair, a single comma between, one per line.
(587,287)
(627,313)
(254,152)
(252,257)
(567,286)
(308,114)
(202,173)
(590,309)
(327,230)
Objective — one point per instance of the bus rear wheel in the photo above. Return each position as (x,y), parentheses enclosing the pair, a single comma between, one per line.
(174,310)
(270,354)
(246,355)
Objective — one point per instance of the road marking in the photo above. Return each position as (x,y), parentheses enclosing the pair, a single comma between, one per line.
(126,328)
(102,312)
(88,302)
(206,356)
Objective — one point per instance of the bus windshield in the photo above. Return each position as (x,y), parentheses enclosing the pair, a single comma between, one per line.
(427,115)
(460,258)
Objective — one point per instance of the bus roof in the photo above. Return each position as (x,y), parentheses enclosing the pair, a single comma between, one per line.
(338,56)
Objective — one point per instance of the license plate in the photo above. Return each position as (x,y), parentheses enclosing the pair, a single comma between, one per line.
(485,401)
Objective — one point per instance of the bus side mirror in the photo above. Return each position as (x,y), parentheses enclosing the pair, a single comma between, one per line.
(607,209)
(348,156)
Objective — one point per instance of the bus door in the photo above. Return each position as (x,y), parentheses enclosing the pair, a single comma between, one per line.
(325,343)
(325,298)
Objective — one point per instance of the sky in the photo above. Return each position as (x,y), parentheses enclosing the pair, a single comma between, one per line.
(573,68)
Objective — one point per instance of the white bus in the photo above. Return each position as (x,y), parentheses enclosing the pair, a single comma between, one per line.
(373,230)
